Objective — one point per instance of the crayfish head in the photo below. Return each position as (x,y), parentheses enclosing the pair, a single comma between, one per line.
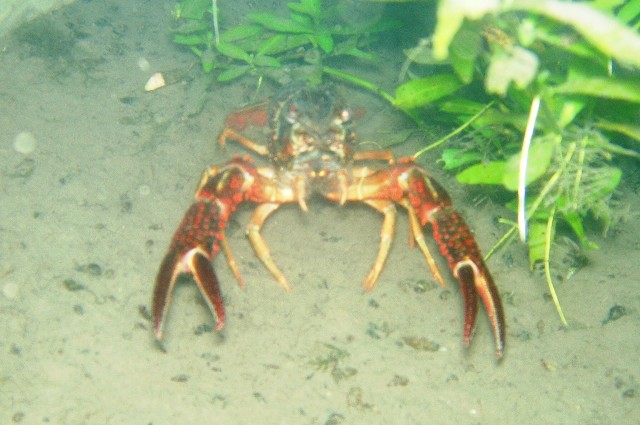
(310,124)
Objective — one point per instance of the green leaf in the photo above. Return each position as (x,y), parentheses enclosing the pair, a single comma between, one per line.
(606,33)
(279,24)
(304,20)
(270,61)
(233,52)
(357,53)
(575,221)
(191,39)
(233,73)
(461,106)
(454,158)
(325,41)
(569,109)
(196,51)
(463,52)
(308,7)
(547,32)
(241,32)
(280,43)
(273,45)
(629,11)
(537,241)
(611,88)
(490,173)
(422,91)
(628,130)
(540,155)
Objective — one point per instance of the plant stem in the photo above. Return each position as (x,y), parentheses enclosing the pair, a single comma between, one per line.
(454,132)
(547,268)
(576,183)
(503,239)
(524,159)
(216,31)
(359,82)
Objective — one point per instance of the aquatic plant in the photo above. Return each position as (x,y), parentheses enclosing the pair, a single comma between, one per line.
(563,75)
(270,44)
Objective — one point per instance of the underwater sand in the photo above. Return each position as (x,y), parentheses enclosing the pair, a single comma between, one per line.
(85,220)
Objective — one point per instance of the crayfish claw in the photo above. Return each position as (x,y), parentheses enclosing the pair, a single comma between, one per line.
(207,282)
(458,246)
(162,292)
(196,263)
(475,280)
(465,276)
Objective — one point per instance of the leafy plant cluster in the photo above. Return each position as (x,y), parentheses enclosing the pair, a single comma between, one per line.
(562,74)
(269,43)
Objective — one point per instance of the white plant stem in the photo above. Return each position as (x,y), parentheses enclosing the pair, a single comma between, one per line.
(216,31)
(524,160)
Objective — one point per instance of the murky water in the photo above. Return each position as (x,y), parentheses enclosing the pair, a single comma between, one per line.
(87,213)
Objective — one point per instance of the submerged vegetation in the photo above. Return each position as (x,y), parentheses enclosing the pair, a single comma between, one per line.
(545,94)
(558,104)
(271,45)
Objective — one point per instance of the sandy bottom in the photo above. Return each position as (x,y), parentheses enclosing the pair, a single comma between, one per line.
(85,220)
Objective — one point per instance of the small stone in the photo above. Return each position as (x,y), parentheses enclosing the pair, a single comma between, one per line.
(25,143)
(421,343)
(155,82)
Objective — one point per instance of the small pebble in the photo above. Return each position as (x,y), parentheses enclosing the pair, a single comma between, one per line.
(144,190)
(421,343)
(25,143)
(180,378)
(92,269)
